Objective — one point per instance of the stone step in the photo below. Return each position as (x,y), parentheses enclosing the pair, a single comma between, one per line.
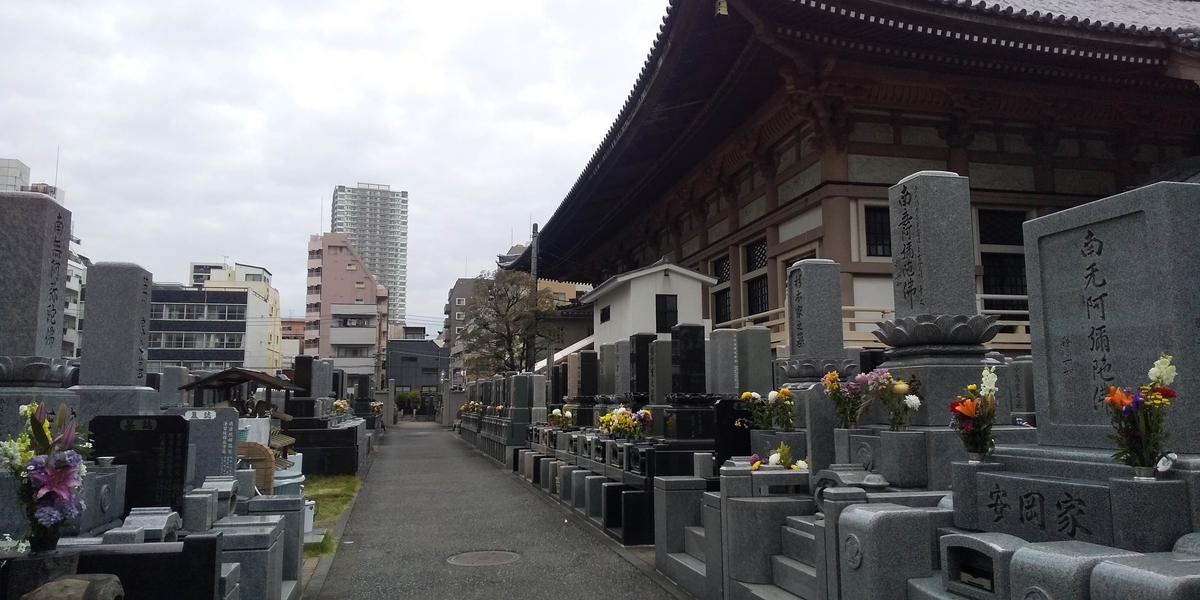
(231,575)
(759,591)
(798,545)
(794,576)
(804,522)
(693,541)
(691,571)
(930,588)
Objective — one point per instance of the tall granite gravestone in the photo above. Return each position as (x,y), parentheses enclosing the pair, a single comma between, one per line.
(754,370)
(815,347)
(573,374)
(1105,282)
(722,373)
(608,369)
(213,434)
(113,374)
(34,237)
(170,381)
(557,389)
(155,450)
(660,383)
(1111,286)
(624,367)
(938,333)
(589,373)
(639,366)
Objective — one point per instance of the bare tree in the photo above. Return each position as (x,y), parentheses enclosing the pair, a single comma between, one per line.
(505,320)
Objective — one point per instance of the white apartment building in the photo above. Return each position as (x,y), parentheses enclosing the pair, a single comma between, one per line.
(264,335)
(374,220)
(14,175)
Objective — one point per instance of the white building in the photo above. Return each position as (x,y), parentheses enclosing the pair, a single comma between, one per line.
(374,220)
(77,266)
(648,300)
(264,334)
(14,175)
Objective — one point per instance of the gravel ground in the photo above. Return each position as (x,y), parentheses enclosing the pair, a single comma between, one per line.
(429,496)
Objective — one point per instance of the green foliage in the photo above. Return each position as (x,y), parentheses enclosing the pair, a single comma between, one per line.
(785,455)
(505,320)
(332,493)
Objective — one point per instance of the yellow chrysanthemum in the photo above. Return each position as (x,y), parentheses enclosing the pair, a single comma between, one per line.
(746,395)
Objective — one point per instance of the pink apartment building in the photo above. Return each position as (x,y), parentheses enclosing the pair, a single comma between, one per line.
(346,309)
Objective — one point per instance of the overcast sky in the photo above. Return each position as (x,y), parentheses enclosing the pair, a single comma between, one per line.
(191,131)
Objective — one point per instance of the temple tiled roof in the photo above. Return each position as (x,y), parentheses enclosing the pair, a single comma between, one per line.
(1176,20)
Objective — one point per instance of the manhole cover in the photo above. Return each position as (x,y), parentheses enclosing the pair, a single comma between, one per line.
(486,558)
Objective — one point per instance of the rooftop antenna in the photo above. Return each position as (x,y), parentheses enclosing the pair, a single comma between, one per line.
(57,155)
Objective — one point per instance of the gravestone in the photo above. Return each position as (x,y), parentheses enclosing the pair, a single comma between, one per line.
(608,369)
(754,359)
(624,368)
(213,433)
(660,384)
(557,389)
(1111,286)
(589,373)
(573,375)
(113,374)
(154,448)
(933,264)
(639,365)
(816,347)
(170,381)
(35,234)
(937,334)
(687,359)
(722,355)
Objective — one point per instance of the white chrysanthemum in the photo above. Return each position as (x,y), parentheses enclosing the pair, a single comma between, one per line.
(773,397)
(774,459)
(10,456)
(1163,372)
(755,396)
(912,402)
(567,414)
(557,412)
(801,465)
(987,386)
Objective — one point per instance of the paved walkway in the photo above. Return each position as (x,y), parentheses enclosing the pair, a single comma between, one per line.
(429,496)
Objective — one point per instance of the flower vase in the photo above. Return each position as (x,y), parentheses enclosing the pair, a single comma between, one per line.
(901,427)
(1143,473)
(44,540)
(975,457)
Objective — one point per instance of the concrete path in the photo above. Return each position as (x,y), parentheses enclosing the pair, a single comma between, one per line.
(429,496)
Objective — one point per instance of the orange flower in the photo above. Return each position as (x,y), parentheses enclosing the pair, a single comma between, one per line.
(1118,397)
(968,407)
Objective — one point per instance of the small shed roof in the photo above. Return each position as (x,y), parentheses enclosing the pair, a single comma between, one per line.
(237,376)
(663,265)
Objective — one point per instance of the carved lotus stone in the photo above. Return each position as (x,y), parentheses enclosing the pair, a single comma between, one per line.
(36,371)
(800,369)
(946,330)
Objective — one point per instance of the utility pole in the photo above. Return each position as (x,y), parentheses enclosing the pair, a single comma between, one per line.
(531,362)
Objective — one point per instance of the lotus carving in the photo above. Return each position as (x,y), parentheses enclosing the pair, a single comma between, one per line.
(800,369)
(28,370)
(924,330)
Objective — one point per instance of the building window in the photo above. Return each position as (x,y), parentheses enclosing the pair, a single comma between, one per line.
(429,389)
(458,330)
(460,301)
(666,312)
(722,311)
(314,290)
(878,228)
(351,267)
(756,256)
(605,314)
(314,254)
(1001,227)
(314,272)
(254,277)
(360,285)
(458,316)
(756,296)
(429,371)
(720,269)
(408,359)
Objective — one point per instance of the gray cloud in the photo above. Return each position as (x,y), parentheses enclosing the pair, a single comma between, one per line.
(192,131)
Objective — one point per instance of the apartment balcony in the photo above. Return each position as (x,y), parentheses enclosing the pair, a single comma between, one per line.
(352,336)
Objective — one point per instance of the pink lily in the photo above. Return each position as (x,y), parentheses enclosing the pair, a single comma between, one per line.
(58,480)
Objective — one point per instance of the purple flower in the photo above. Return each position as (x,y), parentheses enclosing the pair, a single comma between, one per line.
(48,516)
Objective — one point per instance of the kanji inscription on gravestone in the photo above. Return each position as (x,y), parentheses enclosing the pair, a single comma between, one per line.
(155,450)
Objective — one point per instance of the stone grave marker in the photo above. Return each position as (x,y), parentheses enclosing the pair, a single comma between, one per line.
(931,276)
(754,359)
(213,433)
(573,374)
(1111,286)
(608,369)
(154,449)
(589,373)
(723,355)
(639,361)
(687,359)
(624,368)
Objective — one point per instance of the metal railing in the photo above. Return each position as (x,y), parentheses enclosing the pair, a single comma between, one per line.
(858,323)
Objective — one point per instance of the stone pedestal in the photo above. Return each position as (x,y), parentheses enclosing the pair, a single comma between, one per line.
(843,453)
(869,535)
(1148,516)
(902,460)
(966,490)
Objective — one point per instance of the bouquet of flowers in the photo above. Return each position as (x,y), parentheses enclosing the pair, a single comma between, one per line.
(498,410)
(847,397)
(761,413)
(624,423)
(340,406)
(975,413)
(781,457)
(47,459)
(1138,417)
(781,408)
(376,408)
(560,417)
(899,397)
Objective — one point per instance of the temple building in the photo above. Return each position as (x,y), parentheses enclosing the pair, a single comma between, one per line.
(761,132)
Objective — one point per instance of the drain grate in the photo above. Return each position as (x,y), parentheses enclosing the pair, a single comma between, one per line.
(485,558)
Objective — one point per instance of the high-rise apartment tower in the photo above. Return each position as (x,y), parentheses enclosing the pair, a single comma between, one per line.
(374,220)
